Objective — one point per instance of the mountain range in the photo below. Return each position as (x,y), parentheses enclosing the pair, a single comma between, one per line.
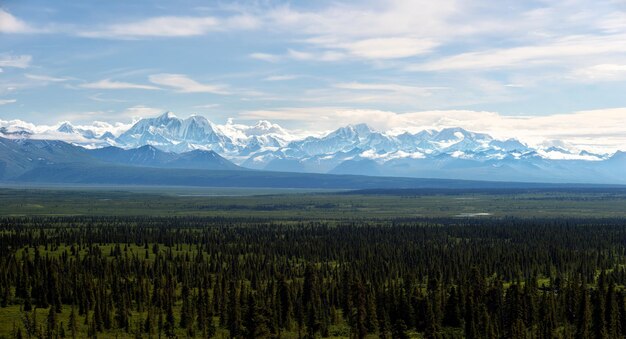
(29,161)
(195,143)
(20,156)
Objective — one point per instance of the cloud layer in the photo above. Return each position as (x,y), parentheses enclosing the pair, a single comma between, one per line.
(11,24)
(16,61)
(184,84)
(109,84)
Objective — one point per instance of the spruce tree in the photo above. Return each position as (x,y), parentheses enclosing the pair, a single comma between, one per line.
(286,305)
(51,324)
(185,311)
(431,325)
(72,324)
(452,310)
(311,301)
(234,312)
(612,312)
(399,330)
(599,316)
(584,316)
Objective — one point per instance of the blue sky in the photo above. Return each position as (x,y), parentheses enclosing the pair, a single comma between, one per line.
(550,68)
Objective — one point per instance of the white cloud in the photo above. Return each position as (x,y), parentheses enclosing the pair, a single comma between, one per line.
(19,61)
(301,56)
(7,101)
(173,26)
(316,56)
(563,50)
(381,48)
(356,21)
(184,84)
(602,72)
(11,24)
(388,95)
(382,30)
(614,22)
(98,97)
(385,87)
(110,84)
(141,111)
(372,49)
(389,48)
(377,30)
(166,26)
(117,120)
(265,57)
(207,106)
(547,32)
(284,77)
(242,21)
(45,78)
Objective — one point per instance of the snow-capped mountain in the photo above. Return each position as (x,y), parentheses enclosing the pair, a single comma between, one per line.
(15,132)
(171,133)
(68,128)
(167,132)
(353,149)
(87,136)
(360,141)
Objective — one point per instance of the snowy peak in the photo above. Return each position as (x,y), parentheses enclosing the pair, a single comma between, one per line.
(264,141)
(75,132)
(509,145)
(263,127)
(360,131)
(168,115)
(457,133)
(15,132)
(197,128)
(168,132)
(618,156)
(165,118)
(66,127)
(448,134)
(458,139)
(107,136)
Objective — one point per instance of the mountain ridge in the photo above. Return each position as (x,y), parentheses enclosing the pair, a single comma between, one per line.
(19,156)
(453,152)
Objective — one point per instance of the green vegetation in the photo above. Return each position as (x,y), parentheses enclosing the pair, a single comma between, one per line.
(92,263)
(313,206)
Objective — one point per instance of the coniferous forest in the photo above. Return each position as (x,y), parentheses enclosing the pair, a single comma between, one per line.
(253,277)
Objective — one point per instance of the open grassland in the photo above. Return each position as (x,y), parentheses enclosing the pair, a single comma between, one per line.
(312,206)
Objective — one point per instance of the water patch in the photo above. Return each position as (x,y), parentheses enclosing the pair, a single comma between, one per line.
(471,215)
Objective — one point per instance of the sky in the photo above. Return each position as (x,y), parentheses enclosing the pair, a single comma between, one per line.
(537,70)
